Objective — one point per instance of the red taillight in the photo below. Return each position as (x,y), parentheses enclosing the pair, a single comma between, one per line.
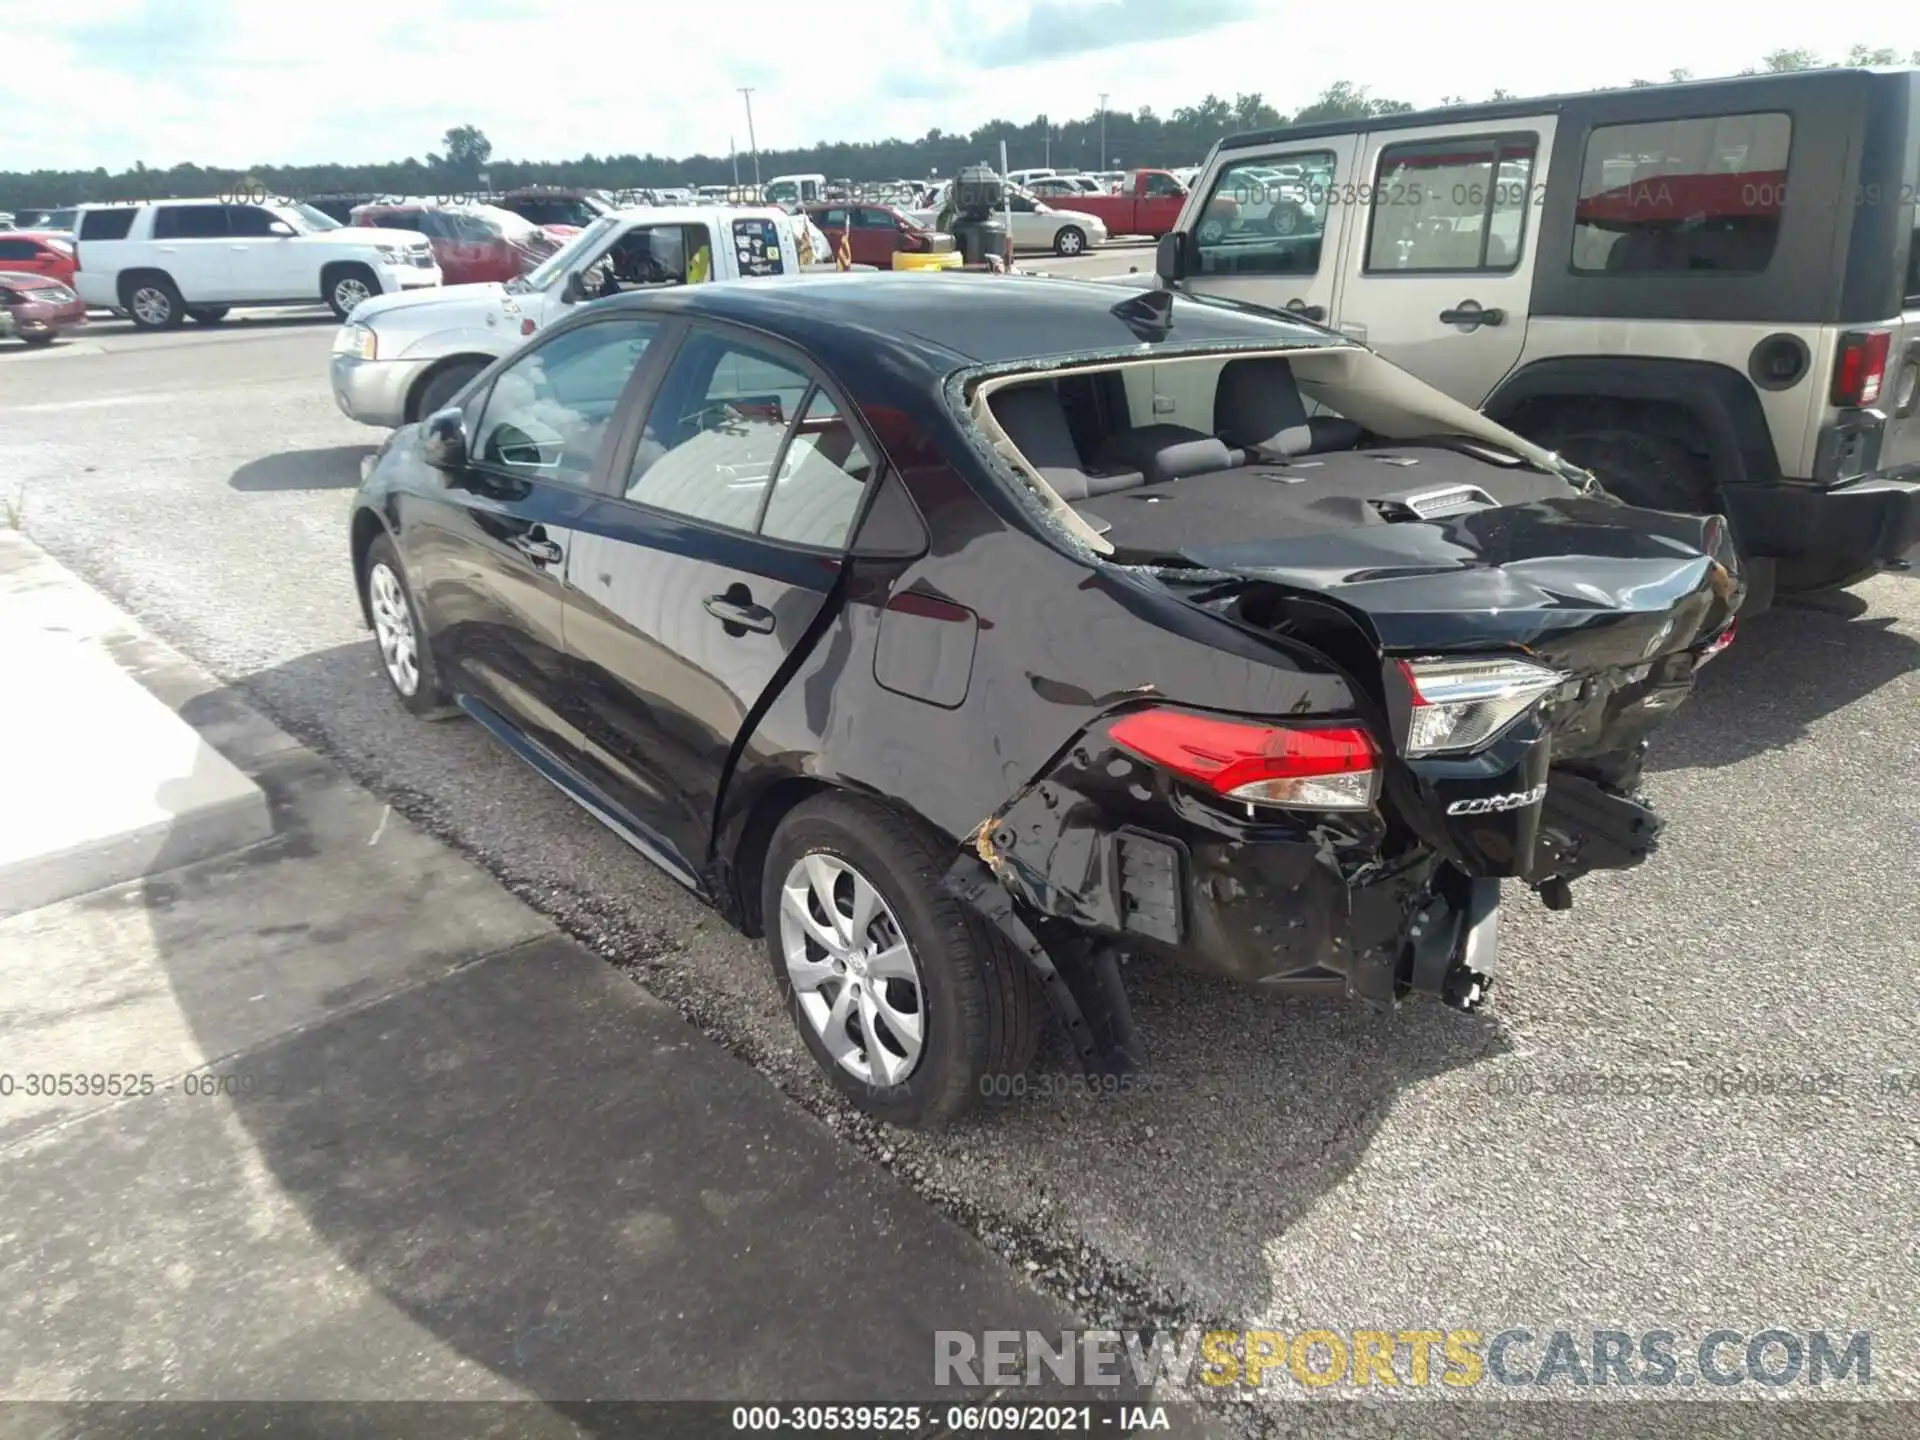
(1859,367)
(1719,643)
(1330,767)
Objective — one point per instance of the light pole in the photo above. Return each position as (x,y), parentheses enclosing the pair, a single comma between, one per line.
(746,93)
(1047,121)
(1103,129)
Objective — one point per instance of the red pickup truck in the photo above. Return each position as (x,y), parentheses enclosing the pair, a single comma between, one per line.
(1149,203)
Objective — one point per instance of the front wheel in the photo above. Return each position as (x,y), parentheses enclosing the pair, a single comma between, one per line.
(207,314)
(440,389)
(911,1004)
(37,341)
(405,656)
(346,288)
(1071,240)
(1212,229)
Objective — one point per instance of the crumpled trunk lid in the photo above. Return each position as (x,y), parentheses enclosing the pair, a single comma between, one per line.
(1620,601)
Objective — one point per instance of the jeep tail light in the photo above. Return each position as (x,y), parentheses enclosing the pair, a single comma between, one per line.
(1859,367)
(1298,767)
(1461,705)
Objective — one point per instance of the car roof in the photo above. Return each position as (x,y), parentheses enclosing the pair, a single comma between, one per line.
(959,320)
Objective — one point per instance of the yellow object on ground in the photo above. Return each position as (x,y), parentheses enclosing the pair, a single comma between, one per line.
(938,260)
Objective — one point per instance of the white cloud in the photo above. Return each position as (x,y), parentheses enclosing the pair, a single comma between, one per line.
(240,82)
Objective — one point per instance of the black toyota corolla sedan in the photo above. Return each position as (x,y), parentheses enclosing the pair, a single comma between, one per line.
(963,636)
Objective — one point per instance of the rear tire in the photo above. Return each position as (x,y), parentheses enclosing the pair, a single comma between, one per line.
(153,303)
(345,287)
(979,1006)
(1642,470)
(208,314)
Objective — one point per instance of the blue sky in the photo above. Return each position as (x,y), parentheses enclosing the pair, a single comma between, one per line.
(236,82)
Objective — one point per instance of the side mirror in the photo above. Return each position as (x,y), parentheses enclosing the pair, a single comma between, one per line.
(279,227)
(1173,258)
(443,440)
(575,290)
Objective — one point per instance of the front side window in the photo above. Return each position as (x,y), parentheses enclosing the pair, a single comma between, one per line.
(190,222)
(548,411)
(1451,204)
(250,222)
(1258,222)
(716,427)
(867,218)
(1682,195)
(18,250)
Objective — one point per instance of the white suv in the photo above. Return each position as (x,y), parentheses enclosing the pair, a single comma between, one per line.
(166,260)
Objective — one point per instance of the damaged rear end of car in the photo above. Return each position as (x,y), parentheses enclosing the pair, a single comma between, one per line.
(1509,638)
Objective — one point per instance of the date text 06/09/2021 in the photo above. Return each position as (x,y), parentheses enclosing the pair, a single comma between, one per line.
(1110,1418)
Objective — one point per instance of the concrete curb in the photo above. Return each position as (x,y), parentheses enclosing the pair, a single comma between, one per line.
(105,782)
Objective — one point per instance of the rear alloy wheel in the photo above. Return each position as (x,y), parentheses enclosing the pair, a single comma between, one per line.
(154,305)
(908,1002)
(405,656)
(1071,240)
(348,288)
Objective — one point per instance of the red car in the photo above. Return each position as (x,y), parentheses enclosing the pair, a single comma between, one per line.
(38,308)
(879,232)
(470,250)
(1149,203)
(25,252)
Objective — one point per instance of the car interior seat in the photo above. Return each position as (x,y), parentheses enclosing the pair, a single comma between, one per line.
(1259,415)
(1036,422)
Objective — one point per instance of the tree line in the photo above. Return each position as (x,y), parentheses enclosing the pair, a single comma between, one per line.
(1110,140)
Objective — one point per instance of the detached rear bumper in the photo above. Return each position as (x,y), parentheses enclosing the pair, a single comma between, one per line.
(1876,517)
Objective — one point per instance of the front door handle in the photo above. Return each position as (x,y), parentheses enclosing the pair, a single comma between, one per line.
(538,548)
(1472,315)
(731,611)
(1310,312)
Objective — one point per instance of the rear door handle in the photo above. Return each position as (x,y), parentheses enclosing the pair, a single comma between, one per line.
(1471,314)
(747,615)
(1311,312)
(539,549)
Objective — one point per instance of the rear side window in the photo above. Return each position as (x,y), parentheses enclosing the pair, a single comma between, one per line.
(190,222)
(1683,195)
(105,224)
(1451,204)
(756,246)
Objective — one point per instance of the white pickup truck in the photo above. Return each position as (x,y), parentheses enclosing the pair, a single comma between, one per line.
(401,357)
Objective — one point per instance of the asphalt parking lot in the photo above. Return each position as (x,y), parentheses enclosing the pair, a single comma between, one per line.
(1627,1139)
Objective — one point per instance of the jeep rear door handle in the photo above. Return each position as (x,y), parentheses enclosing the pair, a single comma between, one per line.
(1470,314)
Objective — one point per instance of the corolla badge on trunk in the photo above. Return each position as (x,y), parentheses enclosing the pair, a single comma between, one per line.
(1492,804)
